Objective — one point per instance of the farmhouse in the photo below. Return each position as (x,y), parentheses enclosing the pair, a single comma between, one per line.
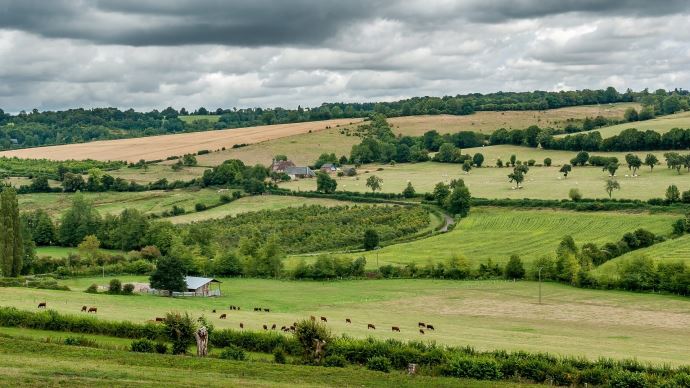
(300,172)
(281,165)
(201,286)
(329,168)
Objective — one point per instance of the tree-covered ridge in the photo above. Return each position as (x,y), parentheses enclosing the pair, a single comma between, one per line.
(310,228)
(36,128)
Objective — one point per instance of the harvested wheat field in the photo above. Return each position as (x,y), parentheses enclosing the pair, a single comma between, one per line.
(160,147)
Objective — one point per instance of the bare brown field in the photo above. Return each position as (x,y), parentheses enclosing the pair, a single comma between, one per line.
(487,122)
(160,147)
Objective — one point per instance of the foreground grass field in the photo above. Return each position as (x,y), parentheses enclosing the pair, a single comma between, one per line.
(492,182)
(494,233)
(487,122)
(483,314)
(31,363)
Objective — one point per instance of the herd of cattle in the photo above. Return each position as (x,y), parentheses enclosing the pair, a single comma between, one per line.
(420,325)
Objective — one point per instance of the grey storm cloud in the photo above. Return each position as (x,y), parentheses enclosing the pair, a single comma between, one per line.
(151,54)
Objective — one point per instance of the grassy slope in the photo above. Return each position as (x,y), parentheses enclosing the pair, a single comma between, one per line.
(495,234)
(155,172)
(491,182)
(192,118)
(484,314)
(28,363)
(660,124)
(677,249)
(487,122)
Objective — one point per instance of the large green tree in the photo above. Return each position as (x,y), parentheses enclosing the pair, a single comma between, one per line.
(11,244)
(78,222)
(169,275)
(325,184)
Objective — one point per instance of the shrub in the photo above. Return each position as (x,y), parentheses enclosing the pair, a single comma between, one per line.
(279,355)
(128,289)
(115,286)
(379,363)
(575,194)
(306,333)
(233,352)
(335,361)
(161,348)
(180,330)
(80,341)
(225,198)
(199,207)
(547,162)
(92,289)
(143,346)
(473,367)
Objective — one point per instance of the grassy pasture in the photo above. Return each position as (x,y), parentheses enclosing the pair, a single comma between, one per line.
(250,204)
(487,122)
(492,182)
(155,172)
(677,249)
(495,233)
(193,118)
(65,251)
(160,147)
(660,124)
(31,363)
(483,314)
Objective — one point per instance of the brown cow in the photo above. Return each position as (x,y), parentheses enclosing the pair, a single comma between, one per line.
(347,320)
(257,309)
(430,327)
(159,319)
(323,319)
(313,318)
(421,331)
(214,311)
(42,305)
(83,309)
(370,326)
(241,325)
(267,310)
(223,316)
(265,327)
(283,328)
(421,324)
(395,328)
(273,327)
(93,310)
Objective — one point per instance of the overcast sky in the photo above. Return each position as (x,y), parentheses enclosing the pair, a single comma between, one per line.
(152,54)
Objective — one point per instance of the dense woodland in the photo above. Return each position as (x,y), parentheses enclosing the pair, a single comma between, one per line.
(36,128)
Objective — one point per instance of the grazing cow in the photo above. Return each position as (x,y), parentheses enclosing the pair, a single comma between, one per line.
(421,324)
(93,310)
(430,327)
(282,328)
(223,316)
(241,325)
(421,331)
(273,327)
(159,319)
(265,327)
(323,319)
(347,320)
(292,328)
(395,328)
(313,318)
(42,305)
(370,326)
(257,309)
(267,310)
(238,308)
(83,309)
(214,311)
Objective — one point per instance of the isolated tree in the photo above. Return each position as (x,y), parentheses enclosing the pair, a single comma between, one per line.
(674,161)
(11,243)
(565,169)
(580,159)
(611,185)
(169,274)
(90,248)
(374,183)
(371,239)
(409,191)
(611,168)
(514,268)
(73,182)
(478,159)
(547,162)
(634,163)
(672,194)
(441,191)
(458,201)
(651,161)
(325,184)
(466,166)
(516,176)
(574,194)
(499,163)
(513,159)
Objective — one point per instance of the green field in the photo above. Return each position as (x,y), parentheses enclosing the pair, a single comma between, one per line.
(254,203)
(193,118)
(65,251)
(495,233)
(492,182)
(677,249)
(660,124)
(484,314)
(155,172)
(31,363)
